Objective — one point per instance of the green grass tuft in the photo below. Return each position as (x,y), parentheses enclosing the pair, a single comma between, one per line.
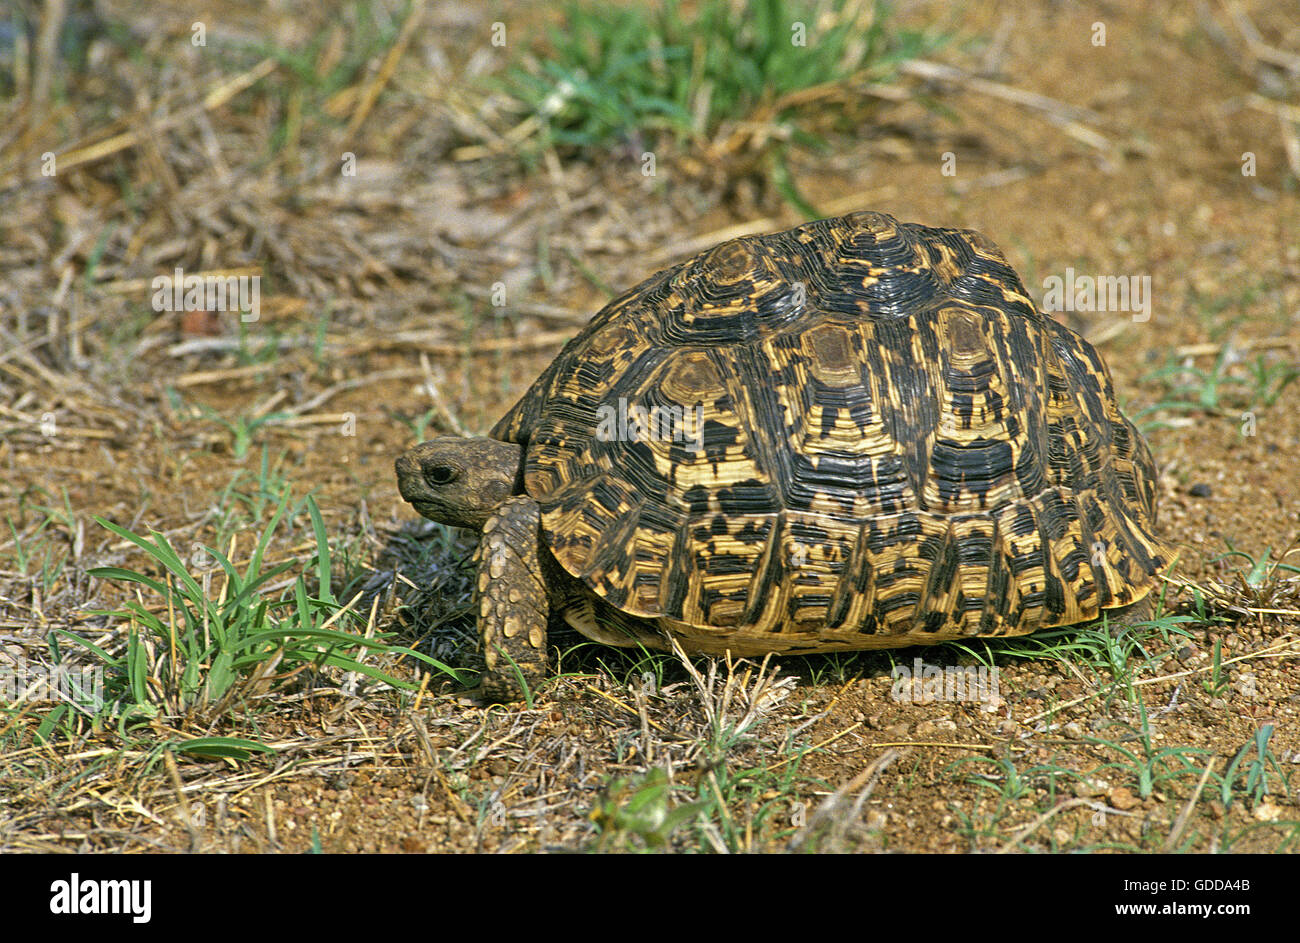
(210,644)
(762,76)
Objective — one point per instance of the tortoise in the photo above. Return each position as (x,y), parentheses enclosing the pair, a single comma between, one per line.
(854,434)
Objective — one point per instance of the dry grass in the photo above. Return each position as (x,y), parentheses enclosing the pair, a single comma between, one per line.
(339,155)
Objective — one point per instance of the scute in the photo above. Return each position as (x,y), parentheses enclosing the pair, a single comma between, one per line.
(856,433)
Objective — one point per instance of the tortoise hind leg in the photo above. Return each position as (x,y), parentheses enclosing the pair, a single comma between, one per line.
(513,604)
(1141,611)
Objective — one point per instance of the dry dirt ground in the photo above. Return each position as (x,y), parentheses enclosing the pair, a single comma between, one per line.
(1176,159)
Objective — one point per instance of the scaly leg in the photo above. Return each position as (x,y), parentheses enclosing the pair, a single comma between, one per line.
(512,600)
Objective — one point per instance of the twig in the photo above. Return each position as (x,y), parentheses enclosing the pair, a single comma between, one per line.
(859,199)
(1273,651)
(1181,822)
(870,775)
(356,382)
(1255,45)
(817,746)
(1262,103)
(371,93)
(935,743)
(218,96)
(440,404)
(131,285)
(1038,822)
(591,689)
(1068,117)
(1290,142)
(421,339)
(1213,350)
(998,178)
(47,52)
(938,72)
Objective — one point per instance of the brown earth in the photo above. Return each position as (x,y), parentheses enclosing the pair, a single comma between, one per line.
(367,274)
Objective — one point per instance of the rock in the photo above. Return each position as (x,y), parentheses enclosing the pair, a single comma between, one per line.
(1089,787)
(1267,812)
(1123,799)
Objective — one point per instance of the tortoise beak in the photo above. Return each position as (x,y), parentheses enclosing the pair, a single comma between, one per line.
(410,478)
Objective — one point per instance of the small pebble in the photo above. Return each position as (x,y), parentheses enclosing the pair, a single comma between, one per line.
(1267,812)
(1123,799)
(1089,787)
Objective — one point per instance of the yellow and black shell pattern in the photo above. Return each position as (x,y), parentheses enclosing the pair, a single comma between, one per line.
(857,433)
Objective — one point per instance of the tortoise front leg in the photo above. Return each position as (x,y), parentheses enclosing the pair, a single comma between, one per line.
(512,600)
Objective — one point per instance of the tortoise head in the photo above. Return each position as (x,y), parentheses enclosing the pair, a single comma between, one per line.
(459,481)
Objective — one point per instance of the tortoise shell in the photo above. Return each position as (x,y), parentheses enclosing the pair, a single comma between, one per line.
(857,433)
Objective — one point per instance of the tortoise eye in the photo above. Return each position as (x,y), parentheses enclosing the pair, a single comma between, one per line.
(440,475)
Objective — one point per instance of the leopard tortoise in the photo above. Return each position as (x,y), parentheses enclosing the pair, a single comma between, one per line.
(857,433)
